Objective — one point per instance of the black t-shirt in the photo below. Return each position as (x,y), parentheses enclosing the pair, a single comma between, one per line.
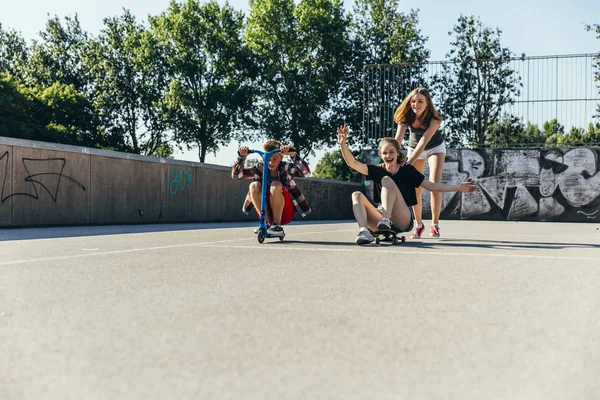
(407,179)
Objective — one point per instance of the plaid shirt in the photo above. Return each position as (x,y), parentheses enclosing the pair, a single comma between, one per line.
(286,173)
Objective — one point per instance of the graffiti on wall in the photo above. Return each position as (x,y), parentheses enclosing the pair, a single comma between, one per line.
(40,173)
(179,180)
(541,184)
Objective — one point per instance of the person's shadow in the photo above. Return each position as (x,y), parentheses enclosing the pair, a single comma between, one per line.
(451,243)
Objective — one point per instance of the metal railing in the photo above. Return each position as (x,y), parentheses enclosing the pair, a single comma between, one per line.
(564,88)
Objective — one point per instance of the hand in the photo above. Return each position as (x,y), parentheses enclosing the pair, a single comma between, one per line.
(243,151)
(285,150)
(467,187)
(342,134)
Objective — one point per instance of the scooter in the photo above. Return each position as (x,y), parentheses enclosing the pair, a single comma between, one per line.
(262,225)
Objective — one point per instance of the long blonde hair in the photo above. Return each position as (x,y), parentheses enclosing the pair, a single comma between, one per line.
(404,114)
(389,140)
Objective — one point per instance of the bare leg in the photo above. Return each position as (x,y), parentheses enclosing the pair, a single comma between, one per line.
(255,192)
(417,209)
(365,213)
(277,201)
(393,204)
(436,166)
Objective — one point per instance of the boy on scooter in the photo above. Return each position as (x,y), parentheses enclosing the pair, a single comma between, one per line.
(283,196)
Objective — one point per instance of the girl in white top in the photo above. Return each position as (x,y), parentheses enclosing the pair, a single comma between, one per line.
(419,116)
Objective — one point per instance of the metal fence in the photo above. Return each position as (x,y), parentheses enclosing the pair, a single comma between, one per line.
(562,87)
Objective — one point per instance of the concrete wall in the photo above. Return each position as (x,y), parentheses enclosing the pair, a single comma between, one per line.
(51,184)
(549,184)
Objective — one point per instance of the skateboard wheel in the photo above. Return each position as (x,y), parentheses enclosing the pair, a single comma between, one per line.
(377,241)
(281,238)
(403,239)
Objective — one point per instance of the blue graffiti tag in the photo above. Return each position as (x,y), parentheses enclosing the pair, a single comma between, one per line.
(179,180)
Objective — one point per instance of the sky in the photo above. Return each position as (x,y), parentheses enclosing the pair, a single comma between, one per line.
(533,27)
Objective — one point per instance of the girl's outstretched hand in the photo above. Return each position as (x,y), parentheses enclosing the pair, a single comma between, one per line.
(467,187)
(342,133)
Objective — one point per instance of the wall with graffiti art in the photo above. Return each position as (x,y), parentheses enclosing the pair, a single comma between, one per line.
(51,184)
(548,184)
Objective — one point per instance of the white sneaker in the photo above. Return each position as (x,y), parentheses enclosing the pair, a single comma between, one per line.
(276,230)
(384,224)
(257,229)
(364,236)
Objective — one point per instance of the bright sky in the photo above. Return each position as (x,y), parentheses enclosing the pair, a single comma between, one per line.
(533,27)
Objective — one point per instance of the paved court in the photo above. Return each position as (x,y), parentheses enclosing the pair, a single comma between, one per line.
(492,310)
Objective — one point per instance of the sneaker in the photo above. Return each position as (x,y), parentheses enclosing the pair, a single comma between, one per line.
(434,231)
(276,230)
(364,236)
(416,234)
(257,229)
(384,224)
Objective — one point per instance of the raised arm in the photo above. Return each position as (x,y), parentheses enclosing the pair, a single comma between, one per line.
(342,135)
(400,132)
(238,171)
(301,168)
(465,187)
(427,135)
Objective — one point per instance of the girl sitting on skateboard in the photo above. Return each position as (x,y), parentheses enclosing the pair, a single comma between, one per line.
(394,182)
(283,196)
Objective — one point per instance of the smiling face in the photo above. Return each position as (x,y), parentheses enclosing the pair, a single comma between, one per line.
(274,161)
(418,104)
(389,154)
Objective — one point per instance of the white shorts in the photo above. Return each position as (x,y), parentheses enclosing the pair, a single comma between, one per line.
(426,153)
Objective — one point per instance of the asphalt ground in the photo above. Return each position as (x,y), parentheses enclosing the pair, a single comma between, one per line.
(491,310)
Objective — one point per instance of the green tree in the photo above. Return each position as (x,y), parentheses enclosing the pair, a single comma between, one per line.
(476,82)
(128,71)
(22,115)
(13,52)
(333,166)
(302,52)
(57,114)
(71,116)
(506,133)
(553,132)
(381,34)
(58,57)
(209,96)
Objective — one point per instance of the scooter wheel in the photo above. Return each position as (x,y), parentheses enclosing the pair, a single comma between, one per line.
(261,236)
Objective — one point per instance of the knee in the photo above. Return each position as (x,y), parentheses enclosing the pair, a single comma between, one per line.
(387,181)
(276,187)
(255,187)
(357,197)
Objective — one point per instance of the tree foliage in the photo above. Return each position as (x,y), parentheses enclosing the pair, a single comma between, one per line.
(333,166)
(475,84)
(302,51)
(209,96)
(14,52)
(381,34)
(128,76)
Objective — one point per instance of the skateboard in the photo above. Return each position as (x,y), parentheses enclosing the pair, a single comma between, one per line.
(388,235)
